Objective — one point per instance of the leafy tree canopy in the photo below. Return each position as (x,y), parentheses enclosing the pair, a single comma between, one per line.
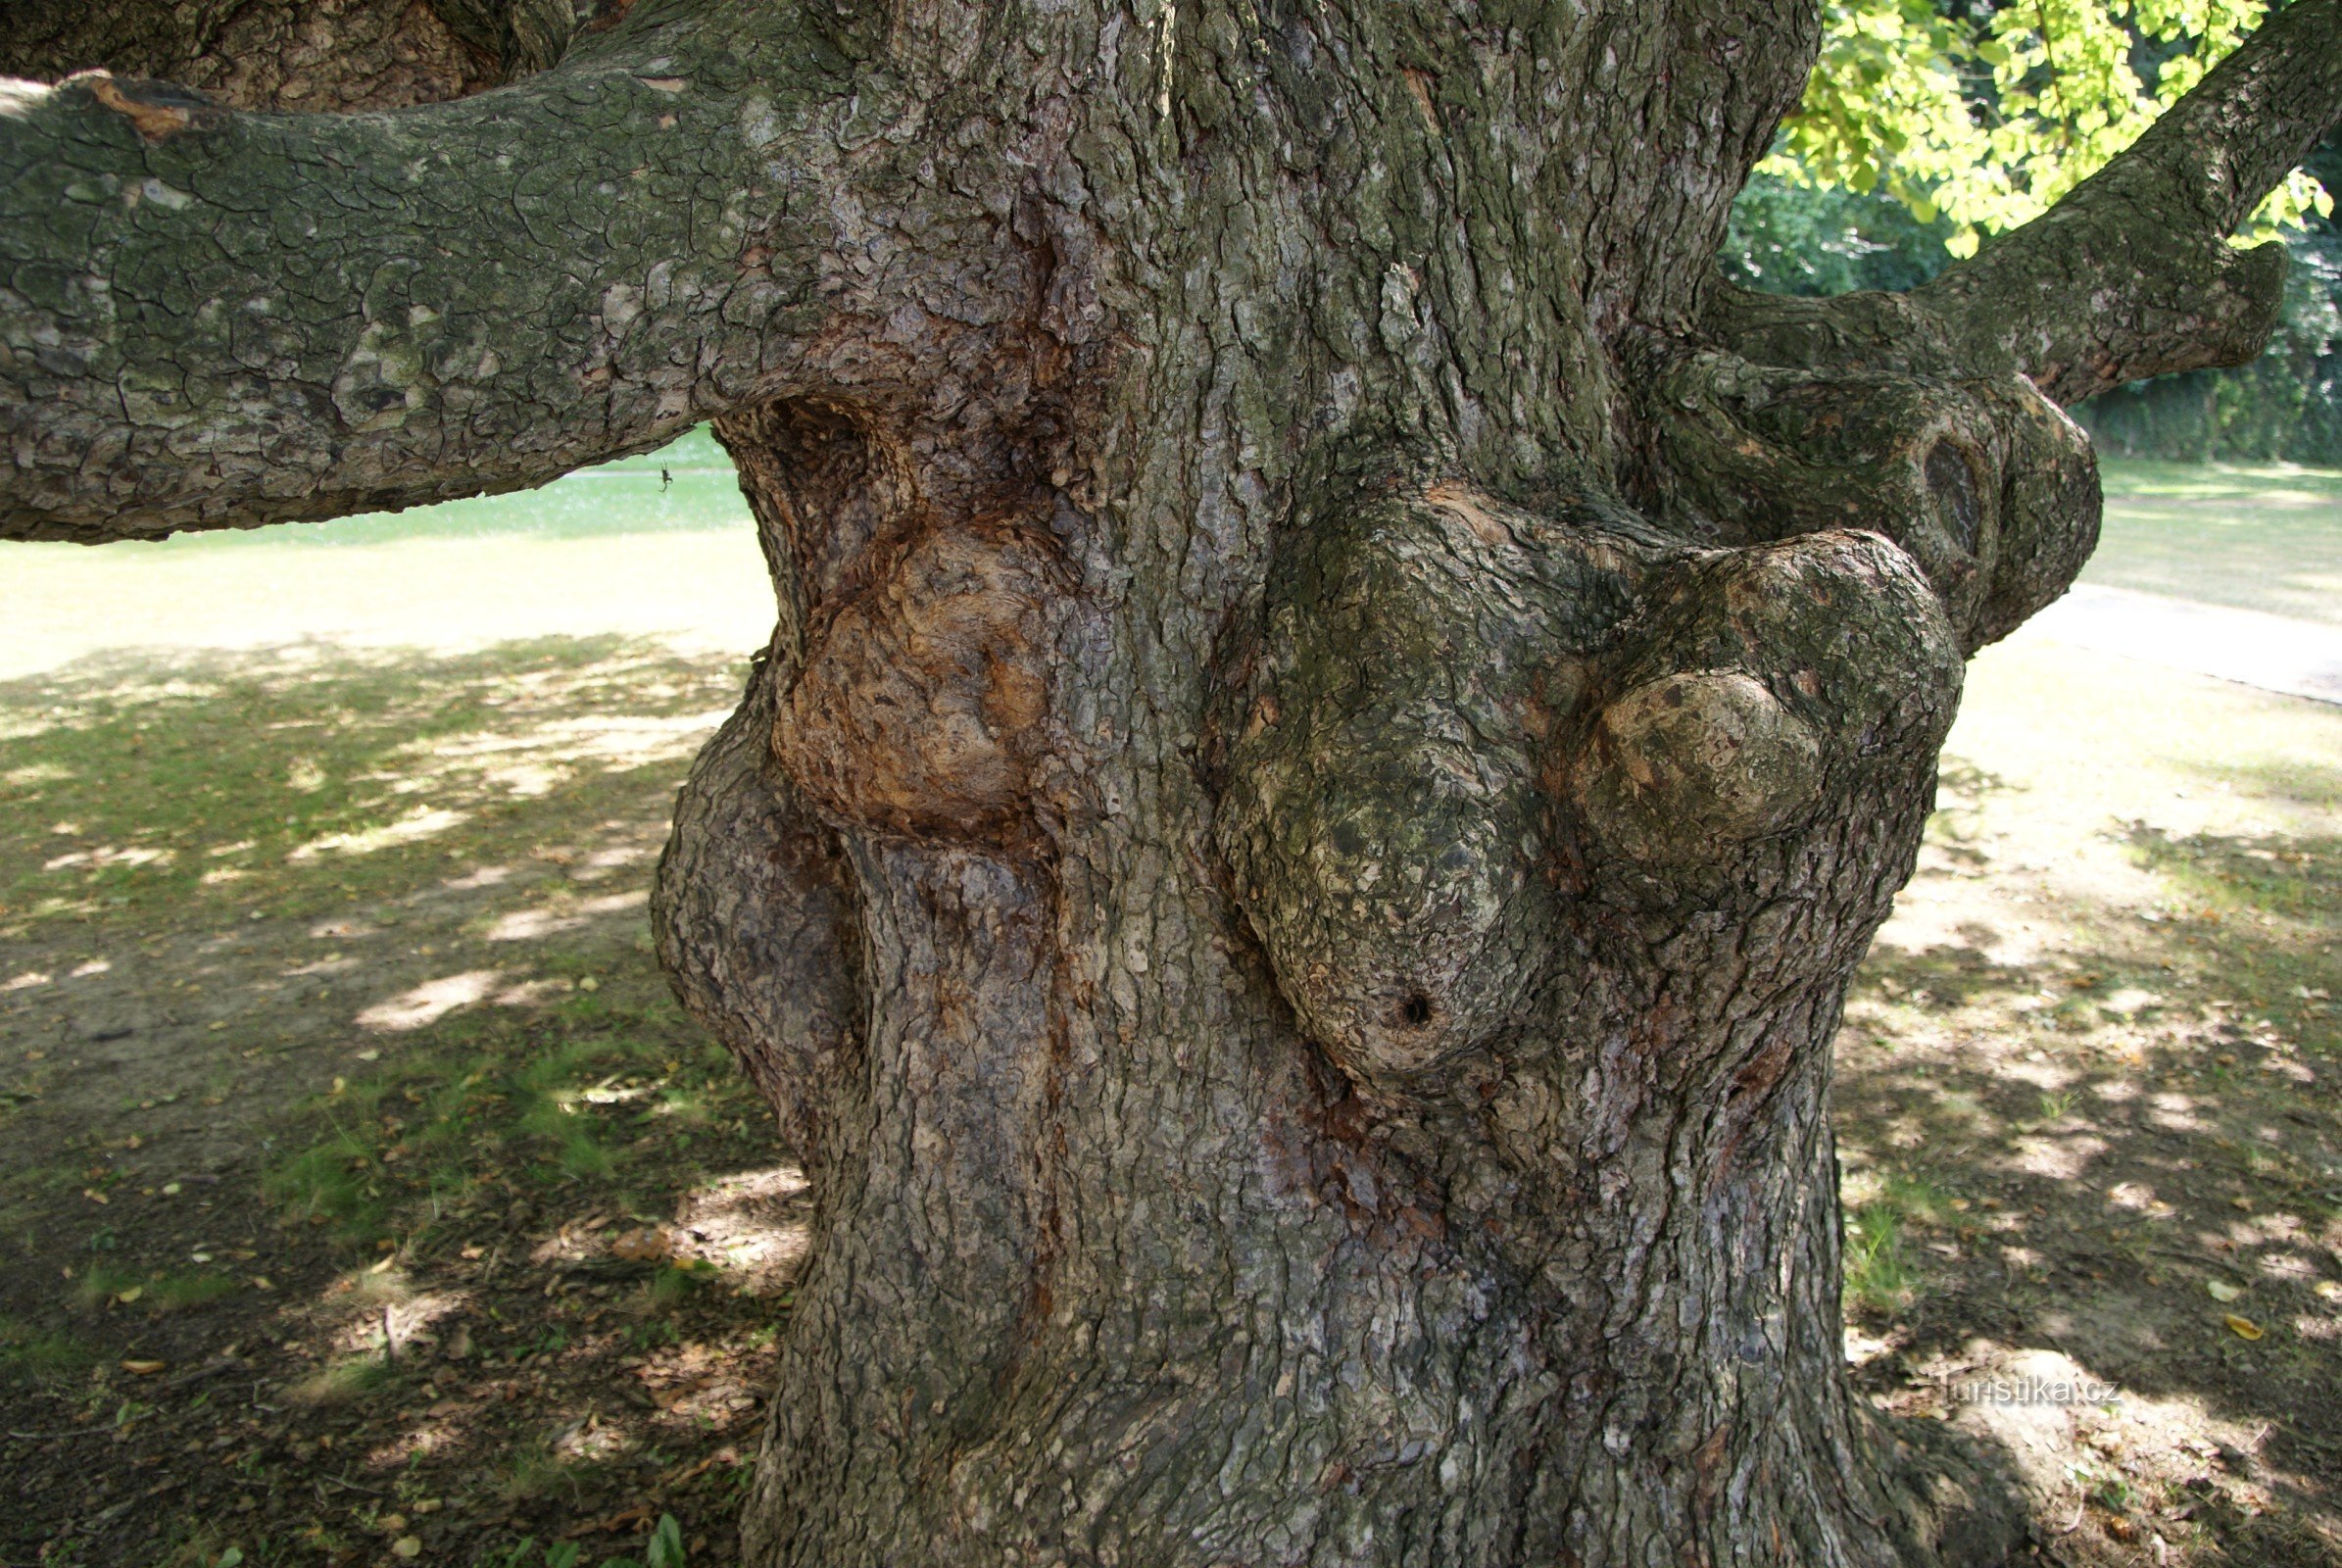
(1986,115)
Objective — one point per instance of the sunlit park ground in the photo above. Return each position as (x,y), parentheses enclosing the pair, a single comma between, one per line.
(365,1198)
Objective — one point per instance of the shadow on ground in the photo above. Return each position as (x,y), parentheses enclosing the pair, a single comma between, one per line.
(367,1196)
(2090,1139)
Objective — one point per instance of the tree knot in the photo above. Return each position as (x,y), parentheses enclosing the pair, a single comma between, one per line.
(157,109)
(1984,482)
(923,705)
(1479,750)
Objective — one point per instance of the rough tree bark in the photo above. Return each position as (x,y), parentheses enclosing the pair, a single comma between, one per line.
(1340,714)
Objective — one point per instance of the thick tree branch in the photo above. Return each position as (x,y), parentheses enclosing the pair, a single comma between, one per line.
(275,54)
(2130,276)
(211,318)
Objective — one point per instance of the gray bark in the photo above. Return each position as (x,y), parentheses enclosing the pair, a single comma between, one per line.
(1339,714)
(263,54)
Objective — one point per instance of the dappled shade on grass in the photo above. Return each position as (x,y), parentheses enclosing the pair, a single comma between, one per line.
(2087,1100)
(339,1075)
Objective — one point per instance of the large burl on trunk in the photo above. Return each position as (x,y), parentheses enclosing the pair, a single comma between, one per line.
(1341,710)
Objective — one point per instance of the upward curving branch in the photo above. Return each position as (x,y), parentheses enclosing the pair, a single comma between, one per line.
(211,318)
(2130,276)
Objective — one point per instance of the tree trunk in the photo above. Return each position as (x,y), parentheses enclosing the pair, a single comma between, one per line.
(1340,717)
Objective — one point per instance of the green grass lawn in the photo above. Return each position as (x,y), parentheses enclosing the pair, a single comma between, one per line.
(2252,536)
(620,549)
(632,550)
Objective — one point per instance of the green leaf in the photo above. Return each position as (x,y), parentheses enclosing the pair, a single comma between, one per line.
(1895,86)
(666,1544)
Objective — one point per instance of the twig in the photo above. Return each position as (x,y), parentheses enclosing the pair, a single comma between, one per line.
(209,1369)
(50,1437)
(351,1486)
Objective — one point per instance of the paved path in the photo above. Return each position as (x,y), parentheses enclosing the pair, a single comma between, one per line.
(2275,653)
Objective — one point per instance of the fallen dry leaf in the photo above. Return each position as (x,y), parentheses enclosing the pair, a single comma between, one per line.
(144,1369)
(642,1246)
(2223,1291)
(2244,1328)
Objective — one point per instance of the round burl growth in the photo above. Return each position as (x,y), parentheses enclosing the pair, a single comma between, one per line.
(1987,485)
(922,705)
(1691,761)
(1395,903)
(1381,815)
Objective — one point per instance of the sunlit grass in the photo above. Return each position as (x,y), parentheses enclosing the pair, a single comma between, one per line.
(581,1093)
(2253,536)
(2133,881)
(1880,1215)
(175,1292)
(100,1283)
(328,1181)
(200,818)
(2277,483)
(614,548)
(537,1471)
(342,1380)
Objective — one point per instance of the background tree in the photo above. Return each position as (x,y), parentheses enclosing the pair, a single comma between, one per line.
(1931,123)
(1985,116)
(1340,710)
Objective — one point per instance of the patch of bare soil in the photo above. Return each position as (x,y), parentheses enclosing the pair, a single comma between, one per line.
(2093,1175)
(367,1200)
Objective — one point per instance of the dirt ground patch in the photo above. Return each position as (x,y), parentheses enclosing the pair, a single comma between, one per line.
(367,1200)
(2087,1111)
